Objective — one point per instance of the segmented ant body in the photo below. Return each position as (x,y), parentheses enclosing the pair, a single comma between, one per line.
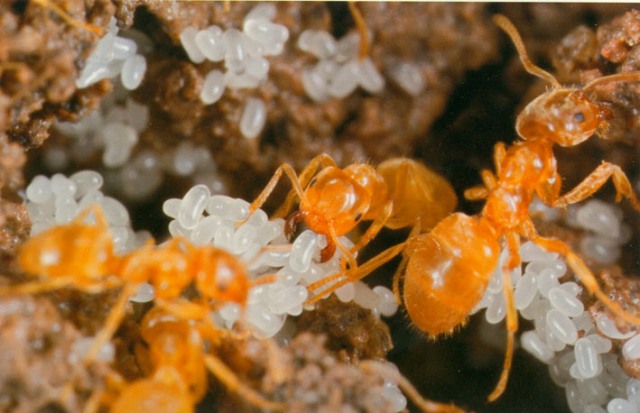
(174,359)
(80,256)
(448,269)
(333,200)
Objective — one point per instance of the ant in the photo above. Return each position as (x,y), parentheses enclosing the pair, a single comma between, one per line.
(80,256)
(448,269)
(176,364)
(333,200)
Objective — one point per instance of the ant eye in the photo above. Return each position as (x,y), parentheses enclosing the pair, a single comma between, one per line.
(358,217)
(579,117)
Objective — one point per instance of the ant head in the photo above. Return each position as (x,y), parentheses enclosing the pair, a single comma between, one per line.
(565,116)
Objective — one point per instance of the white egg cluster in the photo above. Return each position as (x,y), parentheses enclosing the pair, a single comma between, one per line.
(339,70)
(261,243)
(114,55)
(58,200)
(577,351)
(242,51)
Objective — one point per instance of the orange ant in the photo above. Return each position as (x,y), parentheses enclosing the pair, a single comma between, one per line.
(333,201)
(176,364)
(80,256)
(448,269)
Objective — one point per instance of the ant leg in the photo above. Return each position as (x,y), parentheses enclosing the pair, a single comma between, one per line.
(513,245)
(113,322)
(403,264)
(476,193)
(184,310)
(374,228)
(347,255)
(389,373)
(586,276)
(68,18)
(262,198)
(499,153)
(233,384)
(352,275)
(361,25)
(594,181)
(304,178)
(35,287)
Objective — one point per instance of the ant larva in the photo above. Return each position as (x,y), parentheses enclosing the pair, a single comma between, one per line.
(333,201)
(448,269)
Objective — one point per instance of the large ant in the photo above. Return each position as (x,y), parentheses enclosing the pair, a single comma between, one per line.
(333,201)
(175,364)
(80,256)
(448,269)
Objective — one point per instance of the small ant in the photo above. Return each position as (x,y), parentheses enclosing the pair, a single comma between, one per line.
(333,201)
(176,364)
(448,269)
(80,256)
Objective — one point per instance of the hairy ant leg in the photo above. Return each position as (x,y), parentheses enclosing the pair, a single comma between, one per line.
(323,160)
(233,384)
(583,272)
(592,183)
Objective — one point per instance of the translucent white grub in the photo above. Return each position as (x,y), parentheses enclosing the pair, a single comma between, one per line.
(592,391)
(571,287)
(319,43)
(346,293)
(142,176)
(546,280)
(123,48)
(254,117)
(525,291)
(409,77)
(530,251)
(394,396)
(345,80)
(209,42)
(264,322)
(86,180)
(388,305)
(65,210)
(302,251)
(63,187)
(588,361)
(258,67)
(553,341)
(315,85)
(115,213)
(39,190)
(188,40)
(171,206)
(619,405)
(631,348)
(262,11)
(283,298)
(601,249)
(555,266)
(536,346)
(118,139)
(602,345)
(608,327)
(574,398)
(133,70)
(364,296)
(564,302)
(235,51)
(204,230)
(213,87)
(347,47)
(242,239)
(496,310)
(599,217)
(193,205)
(265,32)
(241,81)
(228,208)
(633,392)
(561,326)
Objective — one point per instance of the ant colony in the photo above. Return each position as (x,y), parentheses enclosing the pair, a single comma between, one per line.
(216,306)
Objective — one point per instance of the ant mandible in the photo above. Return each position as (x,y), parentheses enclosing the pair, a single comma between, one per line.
(448,269)
(175,364)
(333,201)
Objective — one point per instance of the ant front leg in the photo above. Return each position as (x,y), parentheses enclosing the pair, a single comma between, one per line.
(268,189)
(594,181)
(323,160)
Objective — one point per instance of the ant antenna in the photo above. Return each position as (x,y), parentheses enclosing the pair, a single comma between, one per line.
(618,77)
(361,25)
(505,24)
